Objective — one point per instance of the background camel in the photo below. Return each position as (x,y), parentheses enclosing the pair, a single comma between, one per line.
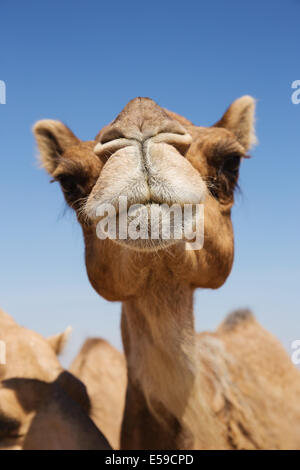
(41,405)
(102,368)
(233,389)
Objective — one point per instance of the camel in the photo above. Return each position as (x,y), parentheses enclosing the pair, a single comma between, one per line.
(102,369)
(42,407)
(232,389)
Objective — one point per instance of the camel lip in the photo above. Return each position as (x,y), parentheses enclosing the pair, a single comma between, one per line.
(149,204)
(149,227)
(94,213)
(147,246)
(128,204)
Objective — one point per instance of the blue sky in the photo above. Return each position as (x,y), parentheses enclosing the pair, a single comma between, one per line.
(81,62)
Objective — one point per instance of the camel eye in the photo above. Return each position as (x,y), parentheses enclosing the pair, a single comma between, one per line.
(73,187)
(68,183)
(231,166)
(225,180)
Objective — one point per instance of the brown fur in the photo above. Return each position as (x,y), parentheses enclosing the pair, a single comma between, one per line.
(218,390)
(102,369)
(41,405)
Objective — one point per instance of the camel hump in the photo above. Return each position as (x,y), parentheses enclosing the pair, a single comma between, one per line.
(236,318)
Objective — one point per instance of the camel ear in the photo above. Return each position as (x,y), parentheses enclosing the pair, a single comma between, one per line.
(239,119)
(53,138)
(59,341)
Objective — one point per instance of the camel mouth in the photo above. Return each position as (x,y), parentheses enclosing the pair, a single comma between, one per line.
(151,226)
(146,246)
(148,206)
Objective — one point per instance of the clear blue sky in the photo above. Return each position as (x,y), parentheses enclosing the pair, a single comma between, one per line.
(81,62)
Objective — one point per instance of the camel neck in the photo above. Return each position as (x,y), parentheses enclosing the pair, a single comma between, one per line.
(159,342)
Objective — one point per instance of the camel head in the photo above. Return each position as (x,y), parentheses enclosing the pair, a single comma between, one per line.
(145,162)
(41,405)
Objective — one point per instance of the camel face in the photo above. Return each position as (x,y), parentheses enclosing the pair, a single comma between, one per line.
(41,405)
(143,153)
(152,160)
(30,359)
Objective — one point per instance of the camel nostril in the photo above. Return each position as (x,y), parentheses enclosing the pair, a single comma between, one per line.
(105,150)
(181,142)
(111,134)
